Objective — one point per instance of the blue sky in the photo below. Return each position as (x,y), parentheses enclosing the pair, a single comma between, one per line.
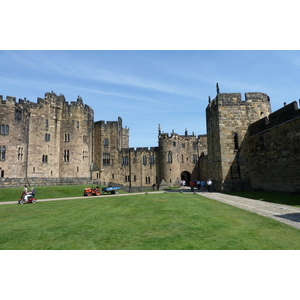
(147,88)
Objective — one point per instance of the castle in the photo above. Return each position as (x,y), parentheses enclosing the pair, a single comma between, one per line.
(54,142)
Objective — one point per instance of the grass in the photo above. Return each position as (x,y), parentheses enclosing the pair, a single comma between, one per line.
(273,197)
(45,192)
(150,221)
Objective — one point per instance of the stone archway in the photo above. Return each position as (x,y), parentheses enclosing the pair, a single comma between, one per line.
(186,176)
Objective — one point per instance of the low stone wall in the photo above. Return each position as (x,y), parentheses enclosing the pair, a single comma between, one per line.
(17,182)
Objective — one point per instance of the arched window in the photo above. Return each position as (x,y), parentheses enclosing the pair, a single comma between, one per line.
(236,142)
(170,159)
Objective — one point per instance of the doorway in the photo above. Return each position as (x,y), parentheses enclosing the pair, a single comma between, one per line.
(186,176)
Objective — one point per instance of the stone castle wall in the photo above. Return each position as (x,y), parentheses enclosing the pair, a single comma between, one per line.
(48,141)
(273,151)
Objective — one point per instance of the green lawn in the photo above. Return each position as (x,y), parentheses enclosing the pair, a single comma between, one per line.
(44,192)
(148,221)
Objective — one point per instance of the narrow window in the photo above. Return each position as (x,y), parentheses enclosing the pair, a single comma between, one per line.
(144,160)
(66,155)
(47,123)
(236,142)
(152,161)
(2,152)
(106,142)
(6,129)
(2,173)
(125,160)
(169,157)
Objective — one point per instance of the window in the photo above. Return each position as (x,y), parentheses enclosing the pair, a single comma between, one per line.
(47,123)
(152,161)
(2,152)
(144,160)
(170,157)
(125,160)
(183,145)
(2,173)
(194,158)
(4,129)
(67,137)
(66,155)
(236,142)
(77,124)
(18,115)
(45,158)
(20,153)
(85,155)
(147,180)
(127,178)
(106,159)
(47,137)
(174,144)
(106,142)
(182,158)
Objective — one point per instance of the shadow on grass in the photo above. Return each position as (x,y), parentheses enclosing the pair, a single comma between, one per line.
(273,197)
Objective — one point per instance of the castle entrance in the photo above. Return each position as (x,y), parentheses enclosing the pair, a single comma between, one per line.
(186,176)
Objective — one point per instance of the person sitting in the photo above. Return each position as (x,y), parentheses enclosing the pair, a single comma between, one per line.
(30,194)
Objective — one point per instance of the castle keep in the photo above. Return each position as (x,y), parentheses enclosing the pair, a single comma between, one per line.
(54,142)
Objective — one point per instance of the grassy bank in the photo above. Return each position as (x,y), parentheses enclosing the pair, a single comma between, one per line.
(45,192)
(148,221)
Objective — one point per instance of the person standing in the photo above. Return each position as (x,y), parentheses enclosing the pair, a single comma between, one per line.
(209,185)
(192,185)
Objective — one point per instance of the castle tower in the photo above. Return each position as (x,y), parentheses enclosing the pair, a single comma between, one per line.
(179,157)
(228,118)
(110,138)
(49,142)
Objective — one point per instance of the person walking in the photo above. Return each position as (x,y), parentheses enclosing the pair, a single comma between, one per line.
(209,185)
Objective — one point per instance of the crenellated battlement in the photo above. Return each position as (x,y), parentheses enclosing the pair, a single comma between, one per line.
(229,99)
(52,100)
(285,114)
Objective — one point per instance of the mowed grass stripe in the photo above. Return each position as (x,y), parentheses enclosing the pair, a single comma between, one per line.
(151,221)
